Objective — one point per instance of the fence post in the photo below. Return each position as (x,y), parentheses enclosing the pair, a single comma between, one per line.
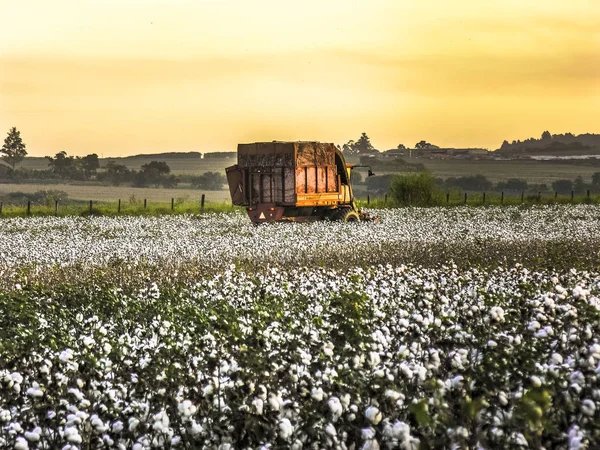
(90,206)
(484,198)
(144,203)
(28,207)
(56,207)
(447,197)
(555,195)
(572,194)
(368,200)
(202,203)
(465,198)
(172,204)
(1,203)
(502,198)
(119,207)
(522,196)
(385,200)
(588,193)
(539,197)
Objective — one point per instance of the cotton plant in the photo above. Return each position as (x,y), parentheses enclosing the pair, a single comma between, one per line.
(296,355)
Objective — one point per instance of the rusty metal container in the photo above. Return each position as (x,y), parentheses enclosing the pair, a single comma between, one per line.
(295,181)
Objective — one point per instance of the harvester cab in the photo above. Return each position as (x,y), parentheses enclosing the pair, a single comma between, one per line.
(294,181)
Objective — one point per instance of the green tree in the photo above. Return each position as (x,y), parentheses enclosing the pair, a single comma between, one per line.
(596,179)
(63,165)
(155,172)
(579,186)
(13,149)
(422,145)
(361,147)
(89,164)
(211,181)
(364,145)
(562,186)
(546,136)
(401,147)
(416,189)
(117,173)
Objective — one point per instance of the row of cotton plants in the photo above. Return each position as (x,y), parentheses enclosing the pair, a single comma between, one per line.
(172,248)
(387,357)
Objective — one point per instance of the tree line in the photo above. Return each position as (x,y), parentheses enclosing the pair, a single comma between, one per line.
(363,146)
(86,168)
(480,183)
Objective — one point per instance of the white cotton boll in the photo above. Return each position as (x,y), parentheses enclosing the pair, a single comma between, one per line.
(368,433)
(137,446)
(374,359)
(588,407)
(5,415)
(21,444)
(108,440)
(117,427)
(534,325)
(502,398)
(35,391)
(373,415)
(456,382)
(72,435)
(335,406)
(330,430)
(317,394)
(16,377)
(195,428)
(576,438)
(297,445)
(328,349)
(519,439)
(258,404)
(371,444)
(556,358)
(175,441)
(98,424)
(274,402)
(393,395)
(492,344)
(535,381)
(208,389)
(34,435)
(345,400)
(133,423)
(406,370)
(497,314)
(285,429)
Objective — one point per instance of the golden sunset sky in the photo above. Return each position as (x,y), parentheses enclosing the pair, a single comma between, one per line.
(120,77)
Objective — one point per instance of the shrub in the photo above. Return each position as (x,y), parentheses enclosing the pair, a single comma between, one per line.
(418,189)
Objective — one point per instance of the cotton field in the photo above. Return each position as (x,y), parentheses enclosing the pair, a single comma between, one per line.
(437,328)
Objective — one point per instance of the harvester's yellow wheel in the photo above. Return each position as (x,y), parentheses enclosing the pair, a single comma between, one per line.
(347,215)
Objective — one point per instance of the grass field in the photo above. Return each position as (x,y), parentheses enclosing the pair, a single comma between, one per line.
(90,191)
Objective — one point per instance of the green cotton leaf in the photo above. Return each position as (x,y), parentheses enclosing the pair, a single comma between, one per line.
(472,407)
(420,411)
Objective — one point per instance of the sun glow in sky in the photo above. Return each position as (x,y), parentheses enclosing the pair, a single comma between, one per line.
(120,77)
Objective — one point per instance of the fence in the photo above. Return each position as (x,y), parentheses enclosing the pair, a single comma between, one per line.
(454,199)
(482,198)
(90,207)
